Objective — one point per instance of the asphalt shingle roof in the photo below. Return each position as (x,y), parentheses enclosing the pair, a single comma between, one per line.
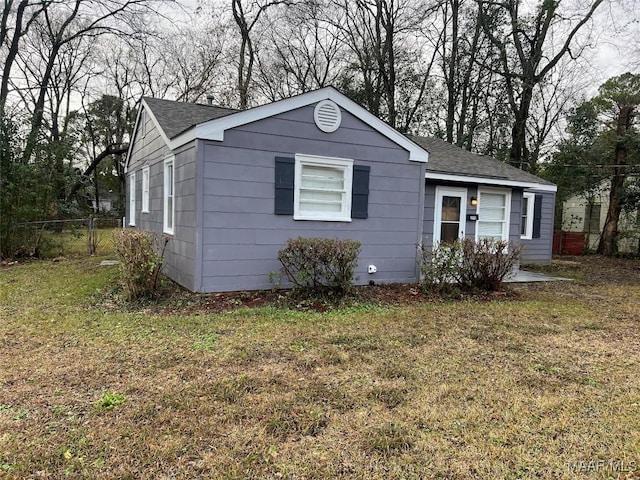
(177,117)
(449,159)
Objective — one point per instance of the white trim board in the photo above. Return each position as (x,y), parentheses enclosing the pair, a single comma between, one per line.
(490,181)
(215,129)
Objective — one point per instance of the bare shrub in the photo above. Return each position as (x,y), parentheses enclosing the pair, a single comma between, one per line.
(482,265)
(487,263)
(141,256)
(439,268)
(320,266)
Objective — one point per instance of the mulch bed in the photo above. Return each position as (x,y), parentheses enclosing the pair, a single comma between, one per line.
(180,301)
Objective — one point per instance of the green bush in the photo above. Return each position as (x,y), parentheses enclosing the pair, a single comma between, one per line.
(141,256)
(320,266)
(482,265)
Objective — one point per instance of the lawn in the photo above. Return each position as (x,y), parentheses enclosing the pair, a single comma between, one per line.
(541,383)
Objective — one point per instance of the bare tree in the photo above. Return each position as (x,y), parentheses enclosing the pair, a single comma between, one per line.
(59,24)
(527,55)
(389,62)
(466,57)
(15,24)
(246,16)
(552,99)
(302,52)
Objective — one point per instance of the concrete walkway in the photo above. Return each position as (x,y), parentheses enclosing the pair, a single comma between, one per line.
(523,276)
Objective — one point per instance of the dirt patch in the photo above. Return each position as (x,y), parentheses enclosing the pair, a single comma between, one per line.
(177,300)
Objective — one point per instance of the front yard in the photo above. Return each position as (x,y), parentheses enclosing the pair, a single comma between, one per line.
(541,383)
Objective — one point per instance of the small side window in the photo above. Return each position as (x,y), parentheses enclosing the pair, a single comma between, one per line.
(169,204)
(145,190)
(592,218)
(132,199)
(526,221)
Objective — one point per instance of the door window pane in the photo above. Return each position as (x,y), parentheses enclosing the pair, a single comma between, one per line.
(449,232)
(450,209)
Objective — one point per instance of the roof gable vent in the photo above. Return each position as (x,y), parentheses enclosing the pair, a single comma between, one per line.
(327,116)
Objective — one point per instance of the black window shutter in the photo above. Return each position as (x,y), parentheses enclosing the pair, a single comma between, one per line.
(284,180)
(537,215)
(360,192)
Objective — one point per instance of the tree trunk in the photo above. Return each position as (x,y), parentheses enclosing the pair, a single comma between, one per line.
(38,112)
(450,72)
(608,244)
(12,51)
(608,240)
(519,155)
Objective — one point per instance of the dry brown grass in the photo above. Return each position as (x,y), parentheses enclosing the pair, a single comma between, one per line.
(520,388)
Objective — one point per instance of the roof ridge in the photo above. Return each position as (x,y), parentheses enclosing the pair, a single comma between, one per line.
(157,99)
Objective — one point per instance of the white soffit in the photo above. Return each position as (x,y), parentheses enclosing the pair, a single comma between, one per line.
(490,181)
(214,129)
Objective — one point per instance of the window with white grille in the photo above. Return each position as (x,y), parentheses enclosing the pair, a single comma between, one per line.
(322,188)
(493,214)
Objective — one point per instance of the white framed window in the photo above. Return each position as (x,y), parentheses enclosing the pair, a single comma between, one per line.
(145,190)
(169,200)
(494,209)
(526,218)
(132,199)
(322,188)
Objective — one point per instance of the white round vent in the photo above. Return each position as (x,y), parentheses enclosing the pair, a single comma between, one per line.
(327,116)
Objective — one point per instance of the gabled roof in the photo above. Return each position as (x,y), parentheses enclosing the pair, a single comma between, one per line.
(176,117)
(180,123)
(450,162)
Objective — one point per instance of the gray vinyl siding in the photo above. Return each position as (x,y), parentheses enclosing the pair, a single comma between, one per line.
(538,250)
(241,235)
(429,213)
(516,216)
(151,150)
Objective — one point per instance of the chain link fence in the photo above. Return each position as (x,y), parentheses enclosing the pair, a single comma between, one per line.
(48,238)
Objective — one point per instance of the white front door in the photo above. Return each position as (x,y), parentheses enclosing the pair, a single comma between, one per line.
(450,214)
